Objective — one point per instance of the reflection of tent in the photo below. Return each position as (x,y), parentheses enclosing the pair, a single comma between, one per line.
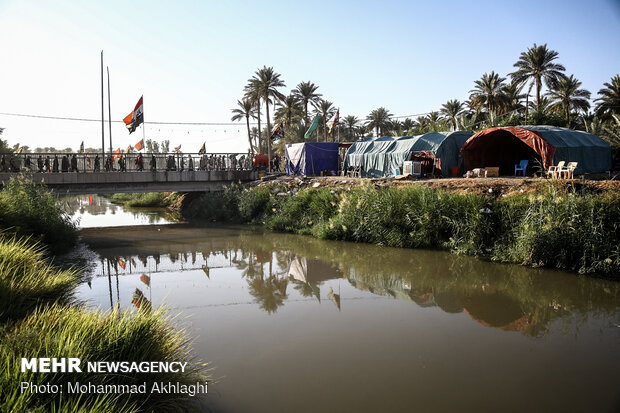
(496,310)
(505,147)
(311,270)
(311,158)
(380,156)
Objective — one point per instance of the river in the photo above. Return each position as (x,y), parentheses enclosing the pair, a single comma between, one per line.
(296,324)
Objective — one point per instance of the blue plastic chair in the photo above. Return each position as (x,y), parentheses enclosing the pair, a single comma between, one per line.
(522,166)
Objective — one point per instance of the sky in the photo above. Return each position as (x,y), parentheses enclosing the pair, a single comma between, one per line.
(191,59)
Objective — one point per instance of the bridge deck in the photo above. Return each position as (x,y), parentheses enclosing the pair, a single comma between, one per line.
(146,181)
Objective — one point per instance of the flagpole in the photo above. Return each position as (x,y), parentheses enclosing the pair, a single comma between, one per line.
(143,122)
(109,109)
(102,109)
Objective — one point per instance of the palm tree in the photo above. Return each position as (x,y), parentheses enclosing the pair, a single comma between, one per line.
(396,127)
(566,95)
(306,93)
(489,92)
(408,124)
(289,112)
(423,125)
(514,97)
(255,132)
(536,64)
(325,109)
(245,110)
(268,82)
(379,120)
(451,109)
(609,100)
(350,122)
(252,93)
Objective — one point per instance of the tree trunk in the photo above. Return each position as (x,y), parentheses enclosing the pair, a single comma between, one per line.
(306,114)
(538,95)
(260,140)
(268,133)
(247,119)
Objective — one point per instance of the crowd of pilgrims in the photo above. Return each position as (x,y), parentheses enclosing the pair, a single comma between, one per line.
(69,163)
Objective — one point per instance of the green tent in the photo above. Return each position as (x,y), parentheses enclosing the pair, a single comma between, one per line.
(379,157)
(542,145)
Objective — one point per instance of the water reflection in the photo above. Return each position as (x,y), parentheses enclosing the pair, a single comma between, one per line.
(97,211)
(273,266)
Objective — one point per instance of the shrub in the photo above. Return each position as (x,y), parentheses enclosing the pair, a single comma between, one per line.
(141,200)
(253,203)
(29,209)
(300,212)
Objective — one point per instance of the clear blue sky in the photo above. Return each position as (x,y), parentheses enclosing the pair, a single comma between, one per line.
(191,59)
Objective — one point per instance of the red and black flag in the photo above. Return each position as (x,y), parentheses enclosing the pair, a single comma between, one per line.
(135,118)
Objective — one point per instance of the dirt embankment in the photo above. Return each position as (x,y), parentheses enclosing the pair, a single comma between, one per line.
(496,186)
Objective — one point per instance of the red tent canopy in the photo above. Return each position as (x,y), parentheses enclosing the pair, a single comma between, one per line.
(472,153)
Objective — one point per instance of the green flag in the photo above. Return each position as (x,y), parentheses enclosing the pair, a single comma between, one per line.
(313,127)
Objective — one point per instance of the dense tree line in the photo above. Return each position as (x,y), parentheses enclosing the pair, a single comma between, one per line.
(494,100)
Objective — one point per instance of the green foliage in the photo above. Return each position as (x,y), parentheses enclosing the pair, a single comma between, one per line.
(300,212)
(28,209)
(556,228)
(252,204)
(216,206)
(412,217)
(142,200)
(569,231)
(27,280)
(59,331)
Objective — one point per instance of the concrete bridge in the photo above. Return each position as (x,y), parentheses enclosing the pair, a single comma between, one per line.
(80,183)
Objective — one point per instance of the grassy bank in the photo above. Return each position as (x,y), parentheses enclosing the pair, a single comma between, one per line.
(555,227)
(60,331)
(40,318)
(30,210)
(140,200)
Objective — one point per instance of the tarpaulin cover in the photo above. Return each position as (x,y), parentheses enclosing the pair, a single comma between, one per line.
(496,146)
(379,157)
(310,158)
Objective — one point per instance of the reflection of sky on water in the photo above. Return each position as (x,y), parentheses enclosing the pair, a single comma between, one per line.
(198,268)
(283,318)
(93,211)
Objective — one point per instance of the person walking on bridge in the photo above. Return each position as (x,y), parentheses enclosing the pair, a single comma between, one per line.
(97,166)
(64,163)
(74,164)
(139,163)
(54,164)
(153,163)
(40,163)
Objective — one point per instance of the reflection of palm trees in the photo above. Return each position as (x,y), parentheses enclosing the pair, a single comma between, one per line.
(269,292)
(307,289)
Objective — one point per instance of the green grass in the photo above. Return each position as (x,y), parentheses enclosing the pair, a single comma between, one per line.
(555,228)
(27,280)
(28,209)
(141,200)
(61,331)
(40,318)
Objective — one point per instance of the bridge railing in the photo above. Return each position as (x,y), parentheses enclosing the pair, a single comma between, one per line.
(128,162)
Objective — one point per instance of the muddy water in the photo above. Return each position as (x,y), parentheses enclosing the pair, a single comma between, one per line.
(295,324)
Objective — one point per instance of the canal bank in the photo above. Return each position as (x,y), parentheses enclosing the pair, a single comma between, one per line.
(41,318)
(547,224)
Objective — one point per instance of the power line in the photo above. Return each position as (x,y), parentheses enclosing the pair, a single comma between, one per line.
(25,115)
